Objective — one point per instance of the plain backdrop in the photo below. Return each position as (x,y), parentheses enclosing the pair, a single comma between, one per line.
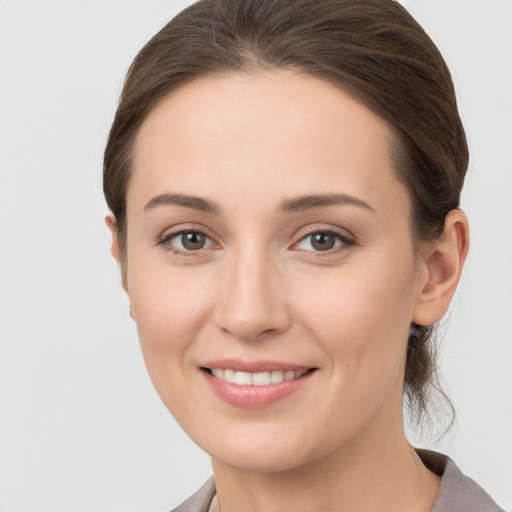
(82,429)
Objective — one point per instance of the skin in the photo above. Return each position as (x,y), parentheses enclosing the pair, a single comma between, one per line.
(259,290)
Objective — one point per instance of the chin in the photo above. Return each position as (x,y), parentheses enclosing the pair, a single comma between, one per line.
(274,460)
(260,451)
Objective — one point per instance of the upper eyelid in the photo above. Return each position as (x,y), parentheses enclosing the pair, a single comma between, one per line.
(173,231)
(325,231)
(174,234)
(341,232)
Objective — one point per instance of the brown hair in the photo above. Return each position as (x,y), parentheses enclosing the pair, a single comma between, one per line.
(372,49)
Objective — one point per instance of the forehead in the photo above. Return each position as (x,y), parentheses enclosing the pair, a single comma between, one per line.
(282,133)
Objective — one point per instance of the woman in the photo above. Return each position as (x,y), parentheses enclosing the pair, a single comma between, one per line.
(284,179)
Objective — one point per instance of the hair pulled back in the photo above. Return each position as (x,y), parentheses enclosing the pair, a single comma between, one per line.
(372,49)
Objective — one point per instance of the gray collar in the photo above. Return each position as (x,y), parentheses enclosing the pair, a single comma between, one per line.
(458,492)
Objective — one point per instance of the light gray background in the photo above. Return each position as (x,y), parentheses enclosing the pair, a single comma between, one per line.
(81,428)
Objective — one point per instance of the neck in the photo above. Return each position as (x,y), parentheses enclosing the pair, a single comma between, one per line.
(385,477)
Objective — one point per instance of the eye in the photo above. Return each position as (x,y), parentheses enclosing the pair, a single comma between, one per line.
(322,241)
(187,241)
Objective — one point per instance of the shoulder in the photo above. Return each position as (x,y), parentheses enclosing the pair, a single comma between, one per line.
(199,501)
(458,492)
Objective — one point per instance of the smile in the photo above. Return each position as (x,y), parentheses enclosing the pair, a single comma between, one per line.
(255,385)
(256,379)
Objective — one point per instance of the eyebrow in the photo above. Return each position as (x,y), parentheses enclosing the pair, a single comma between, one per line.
(321,200)
(295,204)
(195,203)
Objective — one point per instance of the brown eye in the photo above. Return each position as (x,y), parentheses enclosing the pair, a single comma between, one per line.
(193,240)
(187,241)
(323,241)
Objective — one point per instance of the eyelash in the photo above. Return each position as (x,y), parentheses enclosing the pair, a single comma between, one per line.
(346,242)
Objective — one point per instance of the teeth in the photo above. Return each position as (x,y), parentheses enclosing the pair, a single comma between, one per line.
(261,379)
(276,377)
(256,379)
(217,372)
(229,376)
(243,378)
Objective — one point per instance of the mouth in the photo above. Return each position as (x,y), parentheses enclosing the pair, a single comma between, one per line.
(262,378)
(255,385)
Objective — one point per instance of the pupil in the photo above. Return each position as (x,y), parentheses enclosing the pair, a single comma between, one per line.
(193,240)
(323,241)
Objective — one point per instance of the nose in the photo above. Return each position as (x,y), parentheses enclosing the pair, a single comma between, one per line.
(252,305)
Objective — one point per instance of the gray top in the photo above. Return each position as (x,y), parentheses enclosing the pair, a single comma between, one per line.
(458,493)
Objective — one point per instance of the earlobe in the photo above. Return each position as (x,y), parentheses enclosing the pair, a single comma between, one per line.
(442,268)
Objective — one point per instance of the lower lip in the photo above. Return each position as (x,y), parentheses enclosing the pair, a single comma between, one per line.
(253,397)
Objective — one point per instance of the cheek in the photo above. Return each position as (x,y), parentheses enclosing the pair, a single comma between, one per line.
(170,306)
(167,300)
(359,298)
(361,317)
(361,320)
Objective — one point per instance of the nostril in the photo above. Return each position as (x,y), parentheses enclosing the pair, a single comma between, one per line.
(269,332)
(250,334)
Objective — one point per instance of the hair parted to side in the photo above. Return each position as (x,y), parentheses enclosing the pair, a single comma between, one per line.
(372,49)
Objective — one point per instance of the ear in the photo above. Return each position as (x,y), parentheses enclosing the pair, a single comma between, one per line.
(441,269)
(111,223)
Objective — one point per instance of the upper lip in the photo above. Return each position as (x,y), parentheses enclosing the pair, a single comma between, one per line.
(254,366)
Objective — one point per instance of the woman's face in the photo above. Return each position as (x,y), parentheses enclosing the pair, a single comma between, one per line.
(269,241)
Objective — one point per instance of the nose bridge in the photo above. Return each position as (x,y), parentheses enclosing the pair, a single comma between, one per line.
(252,305)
